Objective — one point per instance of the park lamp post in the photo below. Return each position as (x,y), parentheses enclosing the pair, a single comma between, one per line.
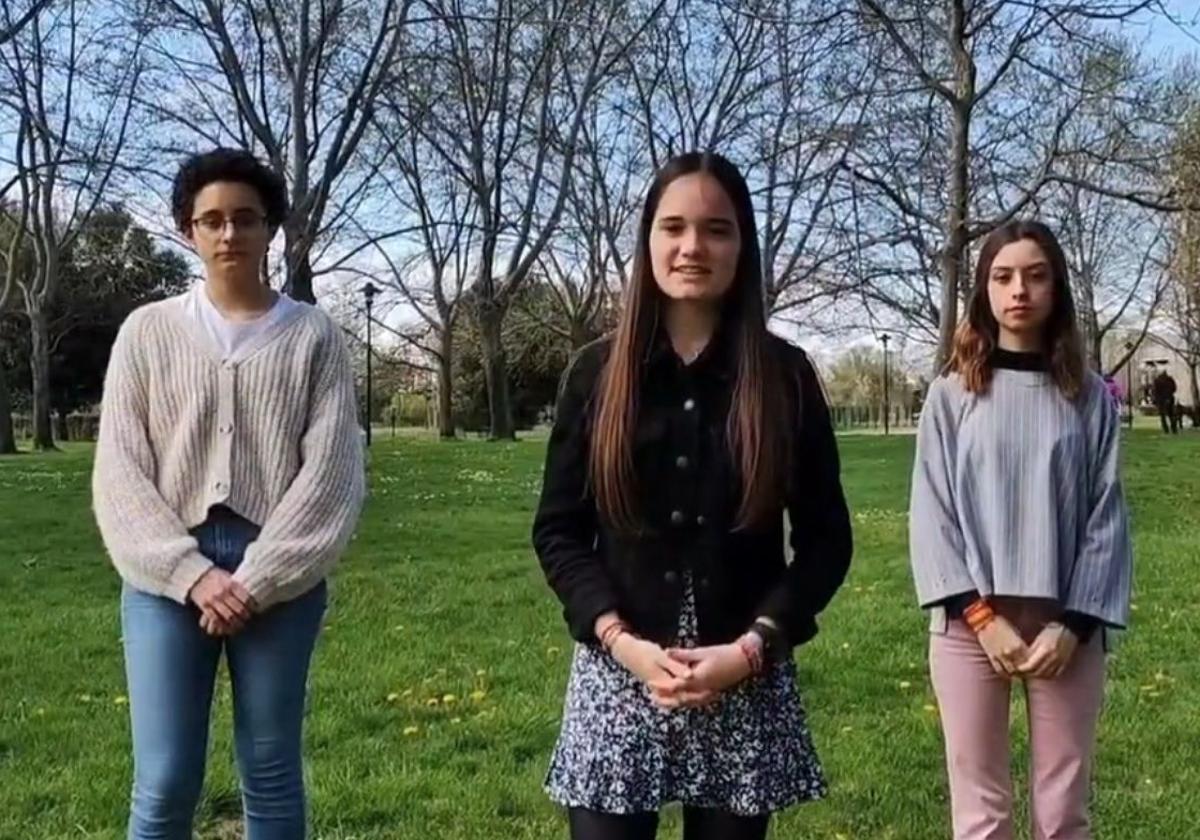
(1129,379)
(887,386)
(369,290)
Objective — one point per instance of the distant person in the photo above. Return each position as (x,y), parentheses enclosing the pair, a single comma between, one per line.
(1164,400)
(1019,541)
(678,445)
(1115,392)
(228,479)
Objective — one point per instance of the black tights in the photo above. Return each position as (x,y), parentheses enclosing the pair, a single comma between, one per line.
(698,824)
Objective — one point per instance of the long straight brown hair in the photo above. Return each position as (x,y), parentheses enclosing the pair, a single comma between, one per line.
(978,335)
(760,414)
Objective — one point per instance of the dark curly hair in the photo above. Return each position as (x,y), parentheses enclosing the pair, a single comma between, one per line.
(237,165)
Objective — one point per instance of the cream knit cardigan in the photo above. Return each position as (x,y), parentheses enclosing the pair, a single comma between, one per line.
(274,437)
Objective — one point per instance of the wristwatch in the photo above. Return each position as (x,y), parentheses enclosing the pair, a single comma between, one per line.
(773,642)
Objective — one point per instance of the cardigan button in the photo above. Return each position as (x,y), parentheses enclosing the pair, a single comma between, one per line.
(689,404)
(700,520)
(681,462)
(676,517)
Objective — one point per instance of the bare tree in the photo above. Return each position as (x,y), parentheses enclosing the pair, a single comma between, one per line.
(587,263)
(817,96)
(430,275)
(1183,308)
(995,84)
(15,17)
(1116,249)
(14,221)
(299,81)
(521,76)
(695,82)
(74,77)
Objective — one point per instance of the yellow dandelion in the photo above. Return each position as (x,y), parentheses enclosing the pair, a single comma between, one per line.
(929,707)
(481,673)
(905,684)
(845,646)
(411,730)
(478,696)
(449,699)
(120,700)
(406,693)
(85,698)
(393,697)
(40,712)
(456,720)
(847,728)
(432,701)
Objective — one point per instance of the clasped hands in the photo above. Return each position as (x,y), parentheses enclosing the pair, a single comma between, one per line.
(681,677)
(225,605)
(1046,658)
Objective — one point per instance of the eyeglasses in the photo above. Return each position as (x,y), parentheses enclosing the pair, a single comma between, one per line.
(214,223)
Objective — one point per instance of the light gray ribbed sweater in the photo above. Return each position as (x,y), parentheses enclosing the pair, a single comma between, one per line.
(1017,492)
(274,437)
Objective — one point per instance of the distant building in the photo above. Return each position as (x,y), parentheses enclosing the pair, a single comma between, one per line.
(1152,356)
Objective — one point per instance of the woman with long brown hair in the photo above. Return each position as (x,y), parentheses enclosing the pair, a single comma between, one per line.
(678,444)
(1019,540)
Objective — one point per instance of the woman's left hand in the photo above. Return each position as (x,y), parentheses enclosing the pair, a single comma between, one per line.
(1050,653)
(715,669)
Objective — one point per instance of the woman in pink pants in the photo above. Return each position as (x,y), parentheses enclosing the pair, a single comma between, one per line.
(1019,540)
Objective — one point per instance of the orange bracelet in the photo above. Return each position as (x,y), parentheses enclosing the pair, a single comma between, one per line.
(979,615)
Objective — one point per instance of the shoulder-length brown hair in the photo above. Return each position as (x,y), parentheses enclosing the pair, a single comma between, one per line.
(761,415)
(977,336)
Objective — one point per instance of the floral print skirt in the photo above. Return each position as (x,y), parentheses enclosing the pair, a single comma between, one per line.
(749,753)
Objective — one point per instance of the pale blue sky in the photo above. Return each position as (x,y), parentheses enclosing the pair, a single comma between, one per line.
(1167,39)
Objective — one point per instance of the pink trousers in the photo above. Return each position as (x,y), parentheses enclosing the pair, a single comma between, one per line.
(973,702)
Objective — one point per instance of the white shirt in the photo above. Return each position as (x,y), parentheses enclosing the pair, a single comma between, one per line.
(233,337)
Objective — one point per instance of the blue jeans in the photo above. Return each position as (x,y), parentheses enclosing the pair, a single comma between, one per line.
(171,666)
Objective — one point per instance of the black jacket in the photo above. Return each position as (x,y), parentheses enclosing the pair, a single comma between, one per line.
(688,501)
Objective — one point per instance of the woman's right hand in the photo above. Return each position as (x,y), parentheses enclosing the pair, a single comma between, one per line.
(1005,648)
(664,676)
(223,601)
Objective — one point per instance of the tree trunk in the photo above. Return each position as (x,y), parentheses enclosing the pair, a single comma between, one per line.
(581,333)
(495,371)
(39,361)
(446,385)
(954,254)
(8,440)
(299,282)
(955,251)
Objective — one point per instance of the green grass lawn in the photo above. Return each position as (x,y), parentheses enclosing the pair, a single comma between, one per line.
(438,680)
